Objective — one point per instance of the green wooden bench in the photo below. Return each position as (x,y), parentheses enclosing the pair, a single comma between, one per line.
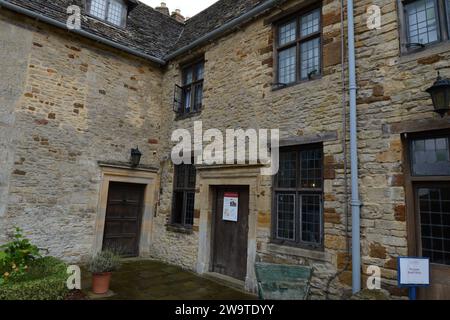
(283,282)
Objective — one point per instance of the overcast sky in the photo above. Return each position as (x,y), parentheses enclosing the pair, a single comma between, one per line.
(188,7)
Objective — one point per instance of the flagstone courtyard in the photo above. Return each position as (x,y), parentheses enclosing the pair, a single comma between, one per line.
(153,280)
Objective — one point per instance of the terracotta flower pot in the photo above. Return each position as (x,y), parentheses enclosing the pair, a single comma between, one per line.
(100,282)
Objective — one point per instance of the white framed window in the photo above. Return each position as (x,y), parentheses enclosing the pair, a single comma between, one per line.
(112,11)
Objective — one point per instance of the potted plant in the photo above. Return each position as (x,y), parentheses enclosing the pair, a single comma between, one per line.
(102,266)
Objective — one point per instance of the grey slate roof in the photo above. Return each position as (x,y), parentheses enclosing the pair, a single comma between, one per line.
(147,30)
(213,17)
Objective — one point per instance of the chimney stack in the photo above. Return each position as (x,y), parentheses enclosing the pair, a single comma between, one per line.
(163,9)
(177,16)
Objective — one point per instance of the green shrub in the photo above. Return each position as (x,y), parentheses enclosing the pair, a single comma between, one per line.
(45,280)
(105,261)
(16,256)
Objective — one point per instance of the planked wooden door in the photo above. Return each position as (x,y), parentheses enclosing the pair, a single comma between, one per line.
(123,218)
(230,238)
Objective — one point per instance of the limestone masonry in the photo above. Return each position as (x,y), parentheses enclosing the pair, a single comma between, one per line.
(71,109)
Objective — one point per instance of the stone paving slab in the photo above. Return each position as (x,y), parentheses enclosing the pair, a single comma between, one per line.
(153,280)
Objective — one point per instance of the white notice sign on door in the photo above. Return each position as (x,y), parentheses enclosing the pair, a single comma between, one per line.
(230,206)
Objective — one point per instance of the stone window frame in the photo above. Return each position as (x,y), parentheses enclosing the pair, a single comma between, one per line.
(304,10)
(184,189)
(299,191)
(105,20)
(443,26)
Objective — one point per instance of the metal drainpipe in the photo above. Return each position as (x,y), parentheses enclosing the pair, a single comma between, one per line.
(356,203)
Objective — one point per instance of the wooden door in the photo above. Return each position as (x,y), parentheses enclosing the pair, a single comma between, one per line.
(230,237)
(433,228)
(123,218)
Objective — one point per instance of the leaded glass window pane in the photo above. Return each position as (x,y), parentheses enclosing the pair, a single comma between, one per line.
(434,208)
(422,21)
(431,157)
(190,197)
(287,62)
(184,195)
(191,176)
(287,174)
(115,12)
(310,58)
(98,8)
(310,23)
(311,218)
(180,173)
(286,216)
(311,169)
(287,32)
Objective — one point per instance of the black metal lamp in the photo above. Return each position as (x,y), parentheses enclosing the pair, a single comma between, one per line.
(440,94)
(135,157)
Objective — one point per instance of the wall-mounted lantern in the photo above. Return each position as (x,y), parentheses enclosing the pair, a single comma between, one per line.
(135,157)
(440,94)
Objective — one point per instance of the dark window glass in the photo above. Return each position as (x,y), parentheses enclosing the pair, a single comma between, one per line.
(434,209)
(298,196)
(285,216)
(184,195)
(431,156)
(311,169)
(299,48)
(192,88)
(287,174)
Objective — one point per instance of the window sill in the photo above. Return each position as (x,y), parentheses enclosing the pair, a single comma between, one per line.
(431,49)
(313,254)
(187,115)
(294,84)
(179,229)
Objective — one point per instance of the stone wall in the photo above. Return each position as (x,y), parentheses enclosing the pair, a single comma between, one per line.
(72,103)
(238,94)
(14,64)
(391,91)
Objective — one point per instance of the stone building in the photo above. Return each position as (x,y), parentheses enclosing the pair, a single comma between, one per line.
(75,102)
